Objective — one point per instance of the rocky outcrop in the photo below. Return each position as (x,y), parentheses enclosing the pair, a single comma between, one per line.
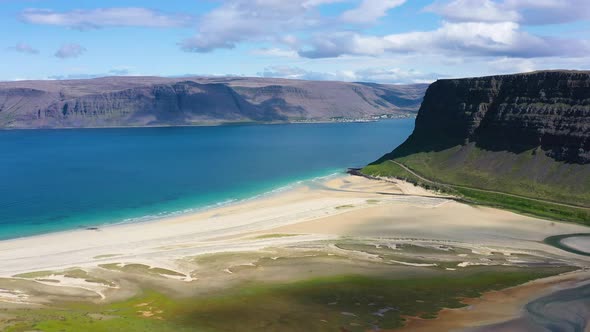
(139,101)
(548,111)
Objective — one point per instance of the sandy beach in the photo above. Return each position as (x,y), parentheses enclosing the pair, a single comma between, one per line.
(324,215)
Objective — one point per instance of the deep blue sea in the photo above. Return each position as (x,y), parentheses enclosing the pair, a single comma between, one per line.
(53,180)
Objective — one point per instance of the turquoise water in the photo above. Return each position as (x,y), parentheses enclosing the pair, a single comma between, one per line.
(54,180)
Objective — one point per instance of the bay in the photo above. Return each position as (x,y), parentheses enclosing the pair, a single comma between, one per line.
(53,180)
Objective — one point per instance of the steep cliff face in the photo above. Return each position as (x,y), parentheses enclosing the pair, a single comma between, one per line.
(137,101)
(527,134)
(547,110)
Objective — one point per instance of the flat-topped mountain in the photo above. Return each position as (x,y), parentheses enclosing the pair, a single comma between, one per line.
(548,110)
(525,134)
(141,101)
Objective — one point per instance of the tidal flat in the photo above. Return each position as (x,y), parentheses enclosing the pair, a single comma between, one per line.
(343,302)
(396,257)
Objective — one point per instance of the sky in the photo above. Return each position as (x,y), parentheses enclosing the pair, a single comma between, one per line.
(383,41)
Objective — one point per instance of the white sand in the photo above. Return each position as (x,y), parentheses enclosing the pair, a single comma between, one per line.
(341,206)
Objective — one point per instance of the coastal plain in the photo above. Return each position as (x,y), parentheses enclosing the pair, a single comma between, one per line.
(338,253)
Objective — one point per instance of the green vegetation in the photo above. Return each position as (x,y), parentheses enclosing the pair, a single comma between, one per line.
(393,170)
(529,173)
(474,186)
(354,303)
(36,274)
(527,206)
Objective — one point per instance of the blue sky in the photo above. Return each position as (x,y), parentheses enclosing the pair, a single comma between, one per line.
(387,41)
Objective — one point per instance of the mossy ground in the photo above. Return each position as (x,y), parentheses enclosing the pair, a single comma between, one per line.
(353,303)
(529,173)
(452,185)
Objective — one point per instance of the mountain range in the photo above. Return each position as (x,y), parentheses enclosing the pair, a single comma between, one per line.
(161,101)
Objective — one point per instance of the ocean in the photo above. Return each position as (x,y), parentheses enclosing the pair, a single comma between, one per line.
(54,180)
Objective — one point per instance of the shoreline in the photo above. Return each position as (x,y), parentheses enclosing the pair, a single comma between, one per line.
(340,225)
(274,190)
(288,210)
(218,124)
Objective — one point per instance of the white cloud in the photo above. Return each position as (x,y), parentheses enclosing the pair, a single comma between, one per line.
(395,75)
(379,75)
(542,12)
(527,12)
(474,11)
(341,43)
(315,3)
(370,11)
(105,17)
(470,28)
(295,73)
(507,65)
(70,51)
(276,52)
(461,39)
(24,48)
(251,20)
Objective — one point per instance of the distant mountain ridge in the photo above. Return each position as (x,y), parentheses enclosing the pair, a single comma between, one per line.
(145,101)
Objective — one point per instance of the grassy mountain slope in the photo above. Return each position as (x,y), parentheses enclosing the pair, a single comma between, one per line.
(525,135)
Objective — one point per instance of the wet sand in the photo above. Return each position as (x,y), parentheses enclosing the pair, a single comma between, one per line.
(581,243)
(502,310)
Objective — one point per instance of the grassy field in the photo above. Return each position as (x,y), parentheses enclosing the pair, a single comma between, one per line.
(529,207)
(465,184)
(529,173)
(389,169)
(352,303)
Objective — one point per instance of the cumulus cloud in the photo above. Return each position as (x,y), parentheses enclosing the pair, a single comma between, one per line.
(474,11)
(276,52)
(527,12)
(505,65)
(370,10)
(237,21)
(469,28)
(24,48)
(542,12)
(244,20)
(315,3)
(464,38)
(380,75)
(70,51)
(340,43)
(297,73)
(105,17)
(395,75)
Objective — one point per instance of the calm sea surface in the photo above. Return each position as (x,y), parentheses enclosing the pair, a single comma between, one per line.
(52,180)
